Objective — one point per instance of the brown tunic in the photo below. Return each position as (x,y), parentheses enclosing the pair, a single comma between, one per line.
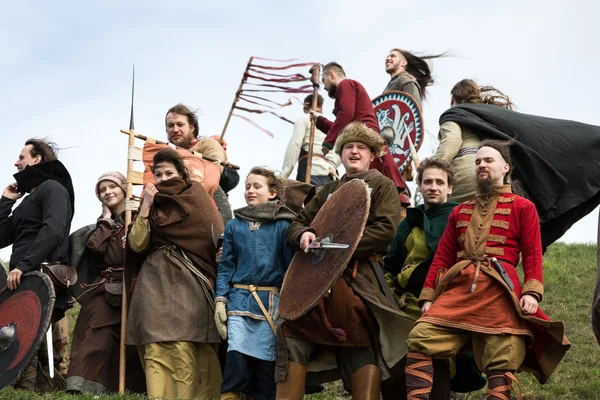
(168,302)
(94,366)
(357,304)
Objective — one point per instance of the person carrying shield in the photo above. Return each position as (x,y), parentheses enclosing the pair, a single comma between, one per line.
(409,73)
(475,267)
(38,227)
(351,329)
(256,255)
(353,104)
(171,316)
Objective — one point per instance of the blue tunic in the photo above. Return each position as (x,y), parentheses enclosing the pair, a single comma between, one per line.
(253,254)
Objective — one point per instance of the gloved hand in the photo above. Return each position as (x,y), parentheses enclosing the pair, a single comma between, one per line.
(221,318)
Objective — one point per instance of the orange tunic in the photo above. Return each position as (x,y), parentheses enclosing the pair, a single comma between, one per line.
(504,226)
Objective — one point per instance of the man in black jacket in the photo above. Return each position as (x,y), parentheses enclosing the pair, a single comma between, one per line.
(38,228)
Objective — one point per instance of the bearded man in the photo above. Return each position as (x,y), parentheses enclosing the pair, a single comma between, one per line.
(475,266)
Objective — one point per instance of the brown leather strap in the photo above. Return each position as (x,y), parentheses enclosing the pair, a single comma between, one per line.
(253,289)
(419,366)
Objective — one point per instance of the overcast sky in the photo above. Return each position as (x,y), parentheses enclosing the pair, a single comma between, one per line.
(65,69)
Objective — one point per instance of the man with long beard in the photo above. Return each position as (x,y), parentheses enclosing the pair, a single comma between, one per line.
(475,266)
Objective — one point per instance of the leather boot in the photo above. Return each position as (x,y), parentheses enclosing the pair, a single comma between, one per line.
(366,383)
(293,386)
(419,376)
(499,385)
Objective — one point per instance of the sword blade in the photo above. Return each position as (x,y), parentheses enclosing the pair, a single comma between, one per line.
(50,347)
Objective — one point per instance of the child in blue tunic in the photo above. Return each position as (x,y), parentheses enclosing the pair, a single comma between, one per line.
(256,255)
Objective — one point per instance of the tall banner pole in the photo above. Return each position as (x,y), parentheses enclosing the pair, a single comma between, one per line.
(129,194)
(235,99)
(315,73)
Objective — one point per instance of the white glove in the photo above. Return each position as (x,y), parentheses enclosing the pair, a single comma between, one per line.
(221,318)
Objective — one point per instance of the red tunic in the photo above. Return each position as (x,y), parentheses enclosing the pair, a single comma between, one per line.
(502,226)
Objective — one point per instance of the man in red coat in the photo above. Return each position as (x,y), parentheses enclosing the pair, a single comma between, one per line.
(473,293)
(352,103)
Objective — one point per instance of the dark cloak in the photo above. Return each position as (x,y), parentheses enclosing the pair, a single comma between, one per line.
(557,161)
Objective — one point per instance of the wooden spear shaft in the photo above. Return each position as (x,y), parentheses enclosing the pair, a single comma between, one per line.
(129,194)
(235,99)
(315,72)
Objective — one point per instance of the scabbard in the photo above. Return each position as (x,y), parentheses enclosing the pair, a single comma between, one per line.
(383,286)
(500,269)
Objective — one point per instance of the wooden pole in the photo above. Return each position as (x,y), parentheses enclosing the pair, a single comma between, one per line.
(315,72)
(128,195)
(235,99)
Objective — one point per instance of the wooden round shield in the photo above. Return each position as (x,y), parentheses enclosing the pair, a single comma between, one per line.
(341,219)
(399,111)
(24,319)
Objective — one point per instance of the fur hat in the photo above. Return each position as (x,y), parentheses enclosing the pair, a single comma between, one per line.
(113,176)
(359,132)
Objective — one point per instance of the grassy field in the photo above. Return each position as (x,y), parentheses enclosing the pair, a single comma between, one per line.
(569,275)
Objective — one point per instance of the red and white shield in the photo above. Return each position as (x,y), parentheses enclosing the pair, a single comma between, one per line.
(400,112)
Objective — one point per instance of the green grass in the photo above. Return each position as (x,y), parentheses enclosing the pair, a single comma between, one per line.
(569,274)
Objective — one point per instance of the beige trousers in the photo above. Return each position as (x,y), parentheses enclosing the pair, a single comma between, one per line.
(491,352)
(181,370)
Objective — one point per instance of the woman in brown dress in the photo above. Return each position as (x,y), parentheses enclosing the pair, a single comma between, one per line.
(171,317)
(94,366)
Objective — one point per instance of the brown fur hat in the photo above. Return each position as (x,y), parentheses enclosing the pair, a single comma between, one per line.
(359,132)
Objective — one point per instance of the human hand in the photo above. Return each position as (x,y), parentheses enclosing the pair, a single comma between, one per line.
(14,279)
(426,306)
(149,192)
(313,115)
(306,239)
(221,318)
(11,192)
(219,254)
(529,304)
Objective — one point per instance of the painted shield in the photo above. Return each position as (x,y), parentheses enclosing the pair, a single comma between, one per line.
(399,111)
(24,319)
(341,219)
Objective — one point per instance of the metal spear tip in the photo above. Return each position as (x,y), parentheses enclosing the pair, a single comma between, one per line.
(388,133)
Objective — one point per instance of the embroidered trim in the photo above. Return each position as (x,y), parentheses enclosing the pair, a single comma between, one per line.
(497,238)
(506,199)
(494,251)
(254,226)
(462,224)
(501,224)
(461,254)
(470,203)
(461,238)
(475,328)
(247,314)
(466,211)
(502,211)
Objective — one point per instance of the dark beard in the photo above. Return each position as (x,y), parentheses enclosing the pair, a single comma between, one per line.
(486,187)
(332,90)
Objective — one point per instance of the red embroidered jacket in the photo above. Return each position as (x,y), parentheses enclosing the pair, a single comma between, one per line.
(513,229)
